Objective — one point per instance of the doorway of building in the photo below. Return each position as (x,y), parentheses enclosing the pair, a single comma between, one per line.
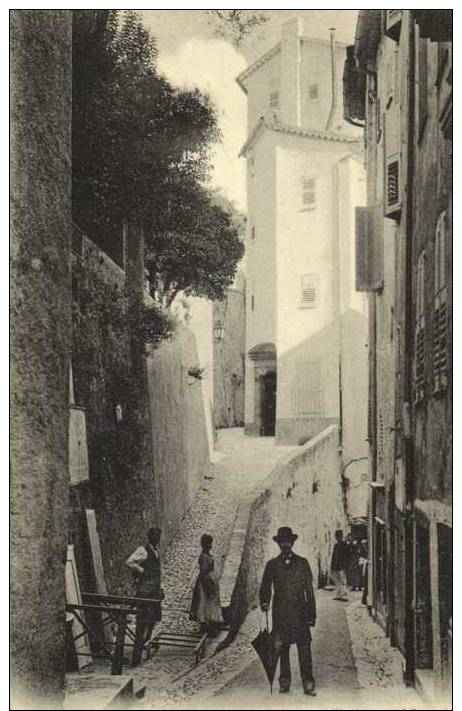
(268,404)
(423,597)
(445,598)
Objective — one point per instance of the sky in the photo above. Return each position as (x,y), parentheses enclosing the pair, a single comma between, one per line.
(191,54)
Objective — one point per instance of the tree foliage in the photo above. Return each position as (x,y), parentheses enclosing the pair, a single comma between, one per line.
(236,25)
(141,150)
(196,246)
(132,130)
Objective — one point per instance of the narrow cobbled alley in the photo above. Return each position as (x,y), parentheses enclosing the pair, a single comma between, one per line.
(350,651)
(242,464)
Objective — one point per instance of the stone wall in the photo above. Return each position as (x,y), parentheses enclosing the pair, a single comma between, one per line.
(303,492)
(40,346)
(179,428)
(228,358)
(138,478)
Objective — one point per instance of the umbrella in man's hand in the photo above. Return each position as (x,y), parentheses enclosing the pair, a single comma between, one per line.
(266,650)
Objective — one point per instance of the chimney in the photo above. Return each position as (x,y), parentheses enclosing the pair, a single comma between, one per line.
(290,109)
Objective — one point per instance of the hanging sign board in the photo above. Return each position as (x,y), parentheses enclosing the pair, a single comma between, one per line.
(78,451)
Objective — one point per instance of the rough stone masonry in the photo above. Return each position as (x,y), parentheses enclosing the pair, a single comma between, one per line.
(40,344)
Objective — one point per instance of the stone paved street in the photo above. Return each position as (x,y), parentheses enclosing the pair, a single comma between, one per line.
(354,667)
(353,663)
(227,483)
(333,666)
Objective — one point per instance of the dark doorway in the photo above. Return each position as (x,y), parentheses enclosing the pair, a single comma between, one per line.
(268,404)
(423,599)
(445,597)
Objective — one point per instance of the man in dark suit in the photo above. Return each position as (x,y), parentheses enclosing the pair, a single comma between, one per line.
(339,565)
(290,580)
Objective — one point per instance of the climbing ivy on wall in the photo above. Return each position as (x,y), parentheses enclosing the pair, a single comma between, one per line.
(109,346)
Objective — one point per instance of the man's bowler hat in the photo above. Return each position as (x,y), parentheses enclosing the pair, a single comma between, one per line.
(285,535)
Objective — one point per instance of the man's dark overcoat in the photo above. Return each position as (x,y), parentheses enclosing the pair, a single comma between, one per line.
(294,606)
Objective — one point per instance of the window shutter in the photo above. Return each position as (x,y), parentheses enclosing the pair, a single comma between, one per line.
(392,187)
(309,290)
(309,192)
(393,20)
(419,337)
(273,94)
(369,248)
(313,92)
(440,345)
(274,99)
(423,83)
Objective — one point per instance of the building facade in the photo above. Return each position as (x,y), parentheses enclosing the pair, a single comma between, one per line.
(306,325)
(229,356)
(398,85)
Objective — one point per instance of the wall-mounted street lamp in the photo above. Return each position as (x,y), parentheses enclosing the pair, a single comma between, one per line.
(218,330)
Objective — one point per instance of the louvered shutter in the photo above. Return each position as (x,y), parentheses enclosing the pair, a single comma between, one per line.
(393,19)
(309,290)
(392,186)
(309,192)
(392,173)
(369,248)
(440,327)
(419,336)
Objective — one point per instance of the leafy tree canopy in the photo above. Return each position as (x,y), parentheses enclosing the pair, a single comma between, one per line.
(141,151)
(196,245)
(236,25)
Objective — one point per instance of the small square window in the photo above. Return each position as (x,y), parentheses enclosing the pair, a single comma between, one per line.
(313,92)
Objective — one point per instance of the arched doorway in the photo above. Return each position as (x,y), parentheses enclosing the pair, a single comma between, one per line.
(263,357)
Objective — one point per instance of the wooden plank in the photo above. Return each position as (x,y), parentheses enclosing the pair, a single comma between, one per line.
(122,599)
(100,608)
(73,597)
(117,659)
(78,451)
(95,548)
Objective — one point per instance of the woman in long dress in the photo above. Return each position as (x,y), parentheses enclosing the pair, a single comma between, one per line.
(206,607)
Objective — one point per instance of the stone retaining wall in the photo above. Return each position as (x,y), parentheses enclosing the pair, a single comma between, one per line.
(40,348)
(303,492)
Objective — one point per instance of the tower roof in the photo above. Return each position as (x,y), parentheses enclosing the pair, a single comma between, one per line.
(263,124)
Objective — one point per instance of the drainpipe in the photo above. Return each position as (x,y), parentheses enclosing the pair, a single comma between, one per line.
(337,305)
(333,107)
(406,428)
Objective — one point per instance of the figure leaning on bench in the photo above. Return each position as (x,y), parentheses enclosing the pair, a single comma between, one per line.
(146,564)
(294,608)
